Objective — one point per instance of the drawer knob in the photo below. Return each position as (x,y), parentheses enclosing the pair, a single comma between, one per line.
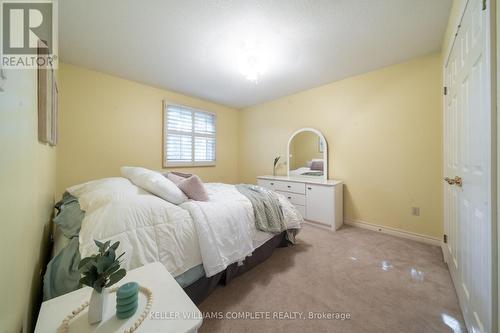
(289,186)
(289,197)
(309,188)
(272,183)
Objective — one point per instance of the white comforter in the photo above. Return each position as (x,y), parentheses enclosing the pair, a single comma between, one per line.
(226,226)
(151,229)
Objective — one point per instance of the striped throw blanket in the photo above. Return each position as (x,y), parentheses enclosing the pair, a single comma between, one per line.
(266,206)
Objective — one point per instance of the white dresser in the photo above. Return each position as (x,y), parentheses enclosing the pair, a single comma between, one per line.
(318,200)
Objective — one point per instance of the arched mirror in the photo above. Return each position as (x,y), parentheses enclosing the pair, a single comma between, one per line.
(307,154)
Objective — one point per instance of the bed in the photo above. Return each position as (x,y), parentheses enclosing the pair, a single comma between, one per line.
(202,244)
(314,167)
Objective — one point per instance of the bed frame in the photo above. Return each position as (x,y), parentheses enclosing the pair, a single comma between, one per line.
(200,289)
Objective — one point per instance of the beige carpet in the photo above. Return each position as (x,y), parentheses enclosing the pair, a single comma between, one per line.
(385,284)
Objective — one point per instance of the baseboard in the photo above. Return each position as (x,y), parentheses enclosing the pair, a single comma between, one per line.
(393,231)
(319,225)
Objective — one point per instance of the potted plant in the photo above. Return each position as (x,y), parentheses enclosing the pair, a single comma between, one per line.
(101,271)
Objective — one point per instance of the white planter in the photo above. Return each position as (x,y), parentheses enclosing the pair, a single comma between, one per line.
(97,305)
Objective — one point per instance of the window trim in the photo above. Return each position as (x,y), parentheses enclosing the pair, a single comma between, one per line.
(191,164)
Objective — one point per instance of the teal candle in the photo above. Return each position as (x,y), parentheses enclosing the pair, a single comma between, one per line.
(127,300)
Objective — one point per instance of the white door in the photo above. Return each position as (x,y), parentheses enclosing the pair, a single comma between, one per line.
(320,204)
(467,155)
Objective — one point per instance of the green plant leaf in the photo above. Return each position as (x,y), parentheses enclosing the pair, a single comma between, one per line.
(99,244)
(100,265)
(111,254)
(98,284)
(121,255)
(102,269)
(115,245)
(113,268)
(88,280)
(84,262)
(115,277)
(104,263)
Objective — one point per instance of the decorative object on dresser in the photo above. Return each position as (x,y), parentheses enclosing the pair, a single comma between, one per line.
(307,187)
(276,160)
(100,271)
(318,200)
(163,314)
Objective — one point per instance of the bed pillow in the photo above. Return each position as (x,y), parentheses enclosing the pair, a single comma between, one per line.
(194,188)
(182,174)
(175,177)
(155,183)
(317,165)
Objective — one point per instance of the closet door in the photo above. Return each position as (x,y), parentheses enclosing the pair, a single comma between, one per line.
(467,168)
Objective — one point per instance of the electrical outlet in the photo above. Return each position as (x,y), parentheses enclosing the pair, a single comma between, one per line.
(415,211)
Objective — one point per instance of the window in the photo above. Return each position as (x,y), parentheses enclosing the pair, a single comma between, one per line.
(189,136)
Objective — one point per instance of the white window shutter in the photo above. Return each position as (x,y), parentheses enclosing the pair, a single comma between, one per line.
(189,136)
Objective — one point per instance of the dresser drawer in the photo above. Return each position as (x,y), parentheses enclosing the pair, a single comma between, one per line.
(290,187)
(270,184)
(294,198)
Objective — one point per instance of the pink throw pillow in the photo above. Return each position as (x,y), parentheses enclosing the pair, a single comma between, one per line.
(317,165)
(176,179)
(194,188)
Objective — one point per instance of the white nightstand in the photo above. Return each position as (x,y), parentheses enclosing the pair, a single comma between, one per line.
(172,310)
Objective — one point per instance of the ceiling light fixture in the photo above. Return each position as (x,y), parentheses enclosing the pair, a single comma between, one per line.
(252,63)
(251,69)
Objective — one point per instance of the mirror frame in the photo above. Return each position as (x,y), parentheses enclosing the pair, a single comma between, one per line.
(325,152)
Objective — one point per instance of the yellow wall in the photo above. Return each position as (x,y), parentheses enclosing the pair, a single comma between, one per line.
(303,148)
(383,130)
(27,178)
(107,122)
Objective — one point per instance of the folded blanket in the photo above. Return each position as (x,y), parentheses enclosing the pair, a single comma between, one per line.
(62,275)
(267,209)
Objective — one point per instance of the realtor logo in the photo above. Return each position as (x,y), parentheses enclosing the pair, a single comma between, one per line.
(28,34)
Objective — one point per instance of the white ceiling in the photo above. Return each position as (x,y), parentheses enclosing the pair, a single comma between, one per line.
(196,46)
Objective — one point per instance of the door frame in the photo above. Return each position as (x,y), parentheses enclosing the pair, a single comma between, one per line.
(494,15)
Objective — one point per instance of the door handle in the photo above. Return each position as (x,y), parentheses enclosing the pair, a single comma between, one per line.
(455,181)
(450,181)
